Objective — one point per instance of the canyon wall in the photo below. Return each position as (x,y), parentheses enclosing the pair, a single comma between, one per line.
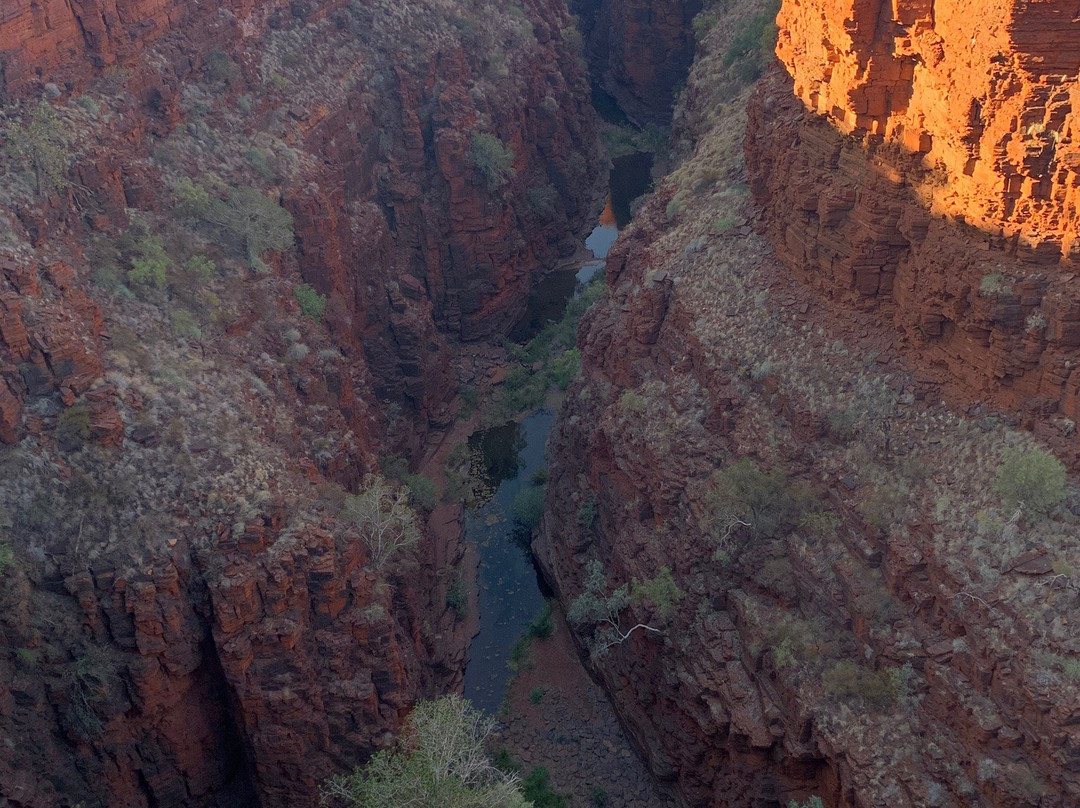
(639,51)
(798,403)
(191,616)
(922,165)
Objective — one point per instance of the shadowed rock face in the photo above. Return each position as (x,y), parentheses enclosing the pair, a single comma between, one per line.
(195,623)
(640,51)
(920,160)
(717,344)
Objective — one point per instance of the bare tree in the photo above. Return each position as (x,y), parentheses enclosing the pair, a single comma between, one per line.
(383,518)
(603,611)
(440,761)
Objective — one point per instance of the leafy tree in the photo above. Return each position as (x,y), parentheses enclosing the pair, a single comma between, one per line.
(492,159)
(312,304)
(42,141)
(745,495)
(247,215)
(1032,480)
(592,606)
(383,517)
(661,591)
(150,264)
(439,761)
(259,222)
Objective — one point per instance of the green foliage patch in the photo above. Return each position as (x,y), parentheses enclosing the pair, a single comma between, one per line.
(764,500)
(1032,479)
(41,141)
(439,760)
(312,304)
(492,158)
(661,591)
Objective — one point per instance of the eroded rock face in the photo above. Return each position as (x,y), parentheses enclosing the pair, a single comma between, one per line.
(641,50)
(190,621)
(897,643)
(921,162)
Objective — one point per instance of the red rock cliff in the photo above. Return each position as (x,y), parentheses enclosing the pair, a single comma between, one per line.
(189,619)
(902,636)
(640,51)
(920,159)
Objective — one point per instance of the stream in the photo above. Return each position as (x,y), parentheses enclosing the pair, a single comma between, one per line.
(510,592)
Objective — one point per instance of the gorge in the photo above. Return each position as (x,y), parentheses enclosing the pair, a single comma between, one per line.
(257,256)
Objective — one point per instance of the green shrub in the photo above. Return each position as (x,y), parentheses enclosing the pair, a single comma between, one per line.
(537,695)
(192,199)
(883,508)
(492,159)
(457,597)
(73,427)
(202,267)
(703,23)
(848,681)
(520,654)
(537,790)
(422,492)
(312,304)
(598,797)
(522,389)
(543,201)
(541,627)
(1030,478)
(43,142)
(661,591)
(260,164)
(90,677)
(764,500)
(528,506)
(751,48)
(588,511)
(629,402)
(7,558)
(811,802)
(219,68)
(150,264)
(994,283)
(758,35)
(185,325)
(563,369)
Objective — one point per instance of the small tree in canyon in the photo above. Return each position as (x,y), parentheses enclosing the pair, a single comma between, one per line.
(492,159)
(440,761)
(603,611)
(42,142)
(383,518)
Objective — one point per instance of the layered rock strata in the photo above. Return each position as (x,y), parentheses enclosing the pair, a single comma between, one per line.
(190,614)
(640,51)
(919,160)
(853,609)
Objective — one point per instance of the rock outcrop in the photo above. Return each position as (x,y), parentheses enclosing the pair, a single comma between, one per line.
(190,616)
(640,51)
(922,165)
(851,608)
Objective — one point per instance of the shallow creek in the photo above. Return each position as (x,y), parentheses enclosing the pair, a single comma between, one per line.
(553,714)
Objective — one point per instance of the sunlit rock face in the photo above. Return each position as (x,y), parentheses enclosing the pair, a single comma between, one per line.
(985,90)
(919,160)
